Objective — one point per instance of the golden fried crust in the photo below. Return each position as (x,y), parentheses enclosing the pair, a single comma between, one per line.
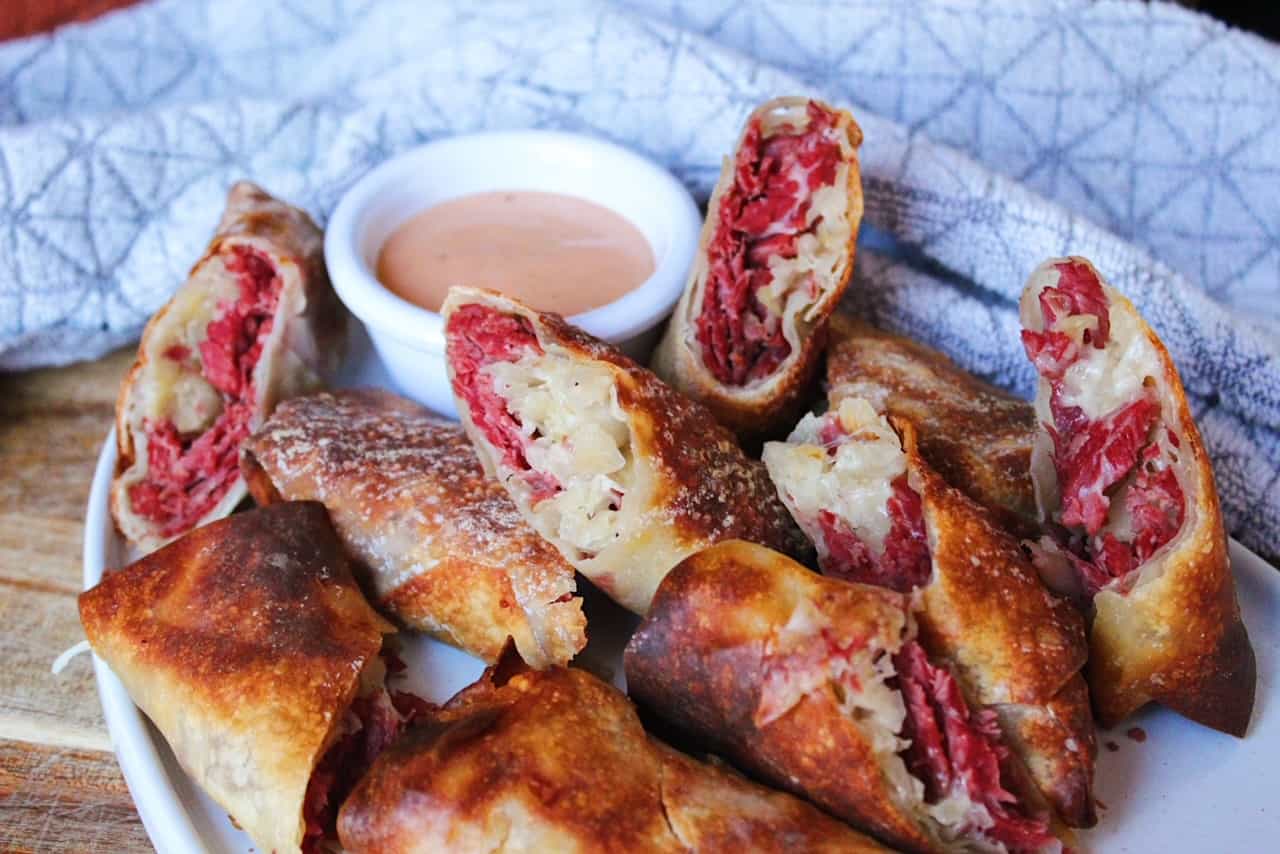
(977,436)
(704,488)
(713,809)
(1177,637)
(1010,641)
(243,642)
(306,345)
(699,660)
(440,545)
(770,408)
(558,761)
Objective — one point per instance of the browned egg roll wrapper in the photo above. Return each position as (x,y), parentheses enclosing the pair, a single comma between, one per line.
(557,760)
(439,544)
(255,322)
(624,475)
(746,338)
(1135,531)
(974,434)
(798,679)
(850,480)
(250,647)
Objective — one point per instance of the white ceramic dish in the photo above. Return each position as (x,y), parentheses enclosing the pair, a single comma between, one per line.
(410,339)
(1185,789)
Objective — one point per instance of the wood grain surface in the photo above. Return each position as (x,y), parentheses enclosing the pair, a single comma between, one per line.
(60,787)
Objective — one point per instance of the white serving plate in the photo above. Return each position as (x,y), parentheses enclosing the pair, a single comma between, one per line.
(1185,789)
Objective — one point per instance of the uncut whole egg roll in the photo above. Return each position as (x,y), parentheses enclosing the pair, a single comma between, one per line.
(249,646)
(880,515)
(439,544)
(777,249)
(624,475)
(820,686)
(977,436)
(255,322)
(1126,493)
(557,760)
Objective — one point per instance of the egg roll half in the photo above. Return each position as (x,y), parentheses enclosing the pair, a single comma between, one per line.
(439,545)
(777,249)
(255,322)
(880,515)
(624,475)
(820,686)
(249,646)
(558,761)
(1126,492)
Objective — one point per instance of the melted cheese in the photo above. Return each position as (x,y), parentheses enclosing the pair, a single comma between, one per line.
(854,484)
(1102,381)
(578,434)
(177,390)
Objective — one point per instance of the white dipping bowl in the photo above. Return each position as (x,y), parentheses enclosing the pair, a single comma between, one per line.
(410,339)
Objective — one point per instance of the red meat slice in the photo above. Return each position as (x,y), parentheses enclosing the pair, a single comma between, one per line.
(955,750)
(380,717)
(188,475)
(905,563)
(1091,460)
(478,336)
(1092,456)
(760,217)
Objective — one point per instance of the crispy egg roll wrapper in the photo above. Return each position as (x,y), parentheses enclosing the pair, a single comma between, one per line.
(1170,630)
(1017,648)
(205,378)
(732,623)
(623,474)
(244,642)
(558,761)
(767,405)
(439,545)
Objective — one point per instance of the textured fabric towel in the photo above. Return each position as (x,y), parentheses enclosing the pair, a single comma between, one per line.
(118,140)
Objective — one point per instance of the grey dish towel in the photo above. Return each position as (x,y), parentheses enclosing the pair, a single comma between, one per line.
(1152,130)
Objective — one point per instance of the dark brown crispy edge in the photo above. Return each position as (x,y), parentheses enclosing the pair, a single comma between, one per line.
(856,354)
(697,660)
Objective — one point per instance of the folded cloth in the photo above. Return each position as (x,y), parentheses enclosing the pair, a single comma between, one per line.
(118,140)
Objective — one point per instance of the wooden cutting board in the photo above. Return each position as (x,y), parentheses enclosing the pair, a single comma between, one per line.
(60,787)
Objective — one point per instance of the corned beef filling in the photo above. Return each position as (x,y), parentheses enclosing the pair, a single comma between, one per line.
(903,566)
(1094,457)
(372,723)
(478,336)
(188,474)
(956,751)
(761,216)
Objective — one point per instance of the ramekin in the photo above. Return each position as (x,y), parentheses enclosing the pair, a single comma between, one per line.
(410,339)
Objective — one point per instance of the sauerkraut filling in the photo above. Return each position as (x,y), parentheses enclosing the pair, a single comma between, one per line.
(1114,458)
(942,761)
(563,441)
(843,476)
(781,227)
(193,451)
(371,723)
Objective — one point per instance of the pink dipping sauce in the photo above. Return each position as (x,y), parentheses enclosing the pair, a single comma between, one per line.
(554,252)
